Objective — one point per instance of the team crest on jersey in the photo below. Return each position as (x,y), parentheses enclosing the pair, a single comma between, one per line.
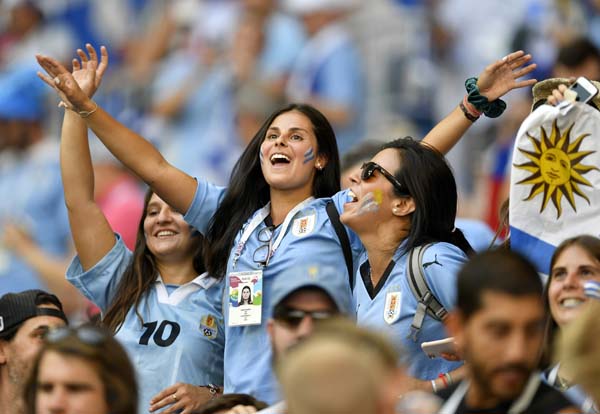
(208,326)
(391,310)
(304,225)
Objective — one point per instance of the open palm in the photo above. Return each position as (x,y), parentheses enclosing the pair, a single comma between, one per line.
(75,89)
(502,76)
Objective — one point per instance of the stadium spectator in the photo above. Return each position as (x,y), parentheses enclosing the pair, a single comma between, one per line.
(80,370)
(25,318)
(498,327)
(393,211)
(574,262)
(291,159)
(157,300)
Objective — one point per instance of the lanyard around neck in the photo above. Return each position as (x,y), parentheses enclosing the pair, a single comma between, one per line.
(517,406)
(258,218)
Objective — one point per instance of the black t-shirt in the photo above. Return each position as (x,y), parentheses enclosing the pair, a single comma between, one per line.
(546,400)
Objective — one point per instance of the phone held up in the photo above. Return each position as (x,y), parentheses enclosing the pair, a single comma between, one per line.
(435,349)
(581,91)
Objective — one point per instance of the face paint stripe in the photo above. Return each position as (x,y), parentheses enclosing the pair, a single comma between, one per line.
(309,155)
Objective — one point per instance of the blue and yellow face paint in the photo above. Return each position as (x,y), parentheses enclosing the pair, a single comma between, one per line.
(370,202)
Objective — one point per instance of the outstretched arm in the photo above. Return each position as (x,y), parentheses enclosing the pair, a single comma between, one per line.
(494,82)
(91,232)
(171,184)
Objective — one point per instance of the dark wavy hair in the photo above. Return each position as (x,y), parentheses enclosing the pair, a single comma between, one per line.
(248,190)
(139,276)
(430,182)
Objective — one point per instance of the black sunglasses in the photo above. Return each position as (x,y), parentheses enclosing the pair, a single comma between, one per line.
(262,254)
(293,317)
(368,168)
(89,335)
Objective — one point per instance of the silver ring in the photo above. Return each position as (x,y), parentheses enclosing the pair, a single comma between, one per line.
(57,80)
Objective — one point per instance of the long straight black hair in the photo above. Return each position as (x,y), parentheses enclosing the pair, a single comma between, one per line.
(248,190)
(430,182)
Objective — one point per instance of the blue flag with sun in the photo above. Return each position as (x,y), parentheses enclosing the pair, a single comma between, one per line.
(555,180)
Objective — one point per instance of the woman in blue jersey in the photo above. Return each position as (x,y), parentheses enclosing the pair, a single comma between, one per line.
(574,263)
(403,198)
(272,216)
(157,300)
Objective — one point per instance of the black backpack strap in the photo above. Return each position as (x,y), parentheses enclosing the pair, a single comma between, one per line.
(427,302)
(340,230)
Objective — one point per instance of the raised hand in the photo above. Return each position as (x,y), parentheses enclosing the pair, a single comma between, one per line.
(75,90)
(86,82)
(502,76)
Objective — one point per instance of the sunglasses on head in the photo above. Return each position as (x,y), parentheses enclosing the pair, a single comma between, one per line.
(368,168)
(293,317)
(89,335)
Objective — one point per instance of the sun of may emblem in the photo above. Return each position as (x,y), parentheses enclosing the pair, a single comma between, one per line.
(555,167)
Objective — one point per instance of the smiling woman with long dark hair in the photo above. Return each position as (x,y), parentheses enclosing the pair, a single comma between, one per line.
(157,300)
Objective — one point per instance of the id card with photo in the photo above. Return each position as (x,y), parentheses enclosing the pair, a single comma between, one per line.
(245,298)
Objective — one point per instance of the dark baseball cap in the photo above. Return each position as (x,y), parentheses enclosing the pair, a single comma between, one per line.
(16,308)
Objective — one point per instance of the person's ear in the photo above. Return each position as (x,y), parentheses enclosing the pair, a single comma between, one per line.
(320,162)
(3,351)
(455,325)
(403,206)
(270,328)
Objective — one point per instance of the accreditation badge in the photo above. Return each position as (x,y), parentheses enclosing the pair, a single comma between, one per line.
(391,311)
(245,298)
(304,224)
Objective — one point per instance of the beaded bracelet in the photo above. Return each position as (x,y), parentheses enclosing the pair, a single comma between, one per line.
(491,109)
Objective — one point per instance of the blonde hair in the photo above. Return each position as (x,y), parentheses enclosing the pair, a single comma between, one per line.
(340,369)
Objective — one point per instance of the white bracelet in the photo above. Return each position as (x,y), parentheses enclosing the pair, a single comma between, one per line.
(85,114)
(434,386)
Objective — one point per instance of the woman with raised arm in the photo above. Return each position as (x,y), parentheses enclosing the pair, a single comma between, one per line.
(273,214)
(157,300)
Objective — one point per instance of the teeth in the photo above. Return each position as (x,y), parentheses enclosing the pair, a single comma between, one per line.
(351,196)
(164,233)
(276,157)
(571,302)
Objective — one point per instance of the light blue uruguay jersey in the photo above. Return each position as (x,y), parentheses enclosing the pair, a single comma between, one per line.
(390,306)
(248,358)
(182,337)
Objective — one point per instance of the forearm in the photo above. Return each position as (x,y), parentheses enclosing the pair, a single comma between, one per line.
(140,156)
(426,385)
(91,232)
(52,271)
(448,131)
(75,161)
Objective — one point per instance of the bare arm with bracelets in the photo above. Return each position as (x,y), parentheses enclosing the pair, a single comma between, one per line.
(495,81)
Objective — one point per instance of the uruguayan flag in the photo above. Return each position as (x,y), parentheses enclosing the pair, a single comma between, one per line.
(555,180)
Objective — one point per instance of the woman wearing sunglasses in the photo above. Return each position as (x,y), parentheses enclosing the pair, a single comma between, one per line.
(157,300)
(273,213)
(394,210)
(82,370)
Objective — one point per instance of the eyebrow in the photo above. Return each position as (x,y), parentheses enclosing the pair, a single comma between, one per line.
(293,129)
